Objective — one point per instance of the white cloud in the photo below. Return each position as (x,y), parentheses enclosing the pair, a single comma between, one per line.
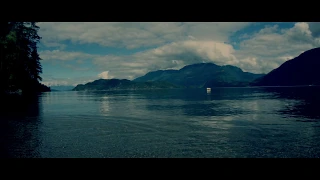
(53,44)
(105,75)
(64,55)
(213,31)
(133,35)
(170,56)
(52,81)
(271,47)
(180,44)
(314,28)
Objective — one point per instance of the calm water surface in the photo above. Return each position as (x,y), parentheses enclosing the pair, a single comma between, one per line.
(228,122)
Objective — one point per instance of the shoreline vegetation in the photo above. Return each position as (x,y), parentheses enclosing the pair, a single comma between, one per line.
(20,66)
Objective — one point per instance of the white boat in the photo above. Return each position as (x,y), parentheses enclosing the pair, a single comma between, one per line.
(208,90)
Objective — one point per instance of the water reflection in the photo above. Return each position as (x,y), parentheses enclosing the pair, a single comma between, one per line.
(228,122)
(105,104)
(253,104)
(20,120)
(249,122)
(276,126)
(288,101)
(299,101)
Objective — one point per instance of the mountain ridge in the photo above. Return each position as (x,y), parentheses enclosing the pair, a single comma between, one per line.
(122,84)
(202,75)
(302,70)
(299,71)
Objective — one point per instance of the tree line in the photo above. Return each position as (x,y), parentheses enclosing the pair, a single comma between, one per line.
(20,66)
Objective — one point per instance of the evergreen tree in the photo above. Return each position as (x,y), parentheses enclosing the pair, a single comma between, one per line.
(20,66)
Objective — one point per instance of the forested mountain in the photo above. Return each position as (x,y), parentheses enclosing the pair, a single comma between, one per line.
(299,71)
(122,84)
(202,75)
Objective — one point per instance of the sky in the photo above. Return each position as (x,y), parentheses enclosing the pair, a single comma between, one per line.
(79,52)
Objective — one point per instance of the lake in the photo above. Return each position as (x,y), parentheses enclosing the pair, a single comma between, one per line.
(273,122)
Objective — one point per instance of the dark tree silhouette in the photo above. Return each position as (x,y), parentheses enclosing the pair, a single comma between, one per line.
(20,66)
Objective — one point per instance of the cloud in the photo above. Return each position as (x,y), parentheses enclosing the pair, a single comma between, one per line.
(314,27)
(53,44)
(49,80)
(133,34)
(271,46)
(180,44)
(47,55)
(171,56)
(179,54)
(75,67)
(105,75)
(213,31)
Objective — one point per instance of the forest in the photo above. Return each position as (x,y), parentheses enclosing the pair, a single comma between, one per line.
(20,66)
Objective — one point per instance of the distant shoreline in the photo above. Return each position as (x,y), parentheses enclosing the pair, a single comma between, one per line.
(195,88)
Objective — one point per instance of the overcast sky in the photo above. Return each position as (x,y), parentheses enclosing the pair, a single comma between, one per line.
(79,52)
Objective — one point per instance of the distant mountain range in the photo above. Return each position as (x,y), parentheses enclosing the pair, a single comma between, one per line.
(202,75)
(122,84)
(300,71)
(61,88)
(191,76)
